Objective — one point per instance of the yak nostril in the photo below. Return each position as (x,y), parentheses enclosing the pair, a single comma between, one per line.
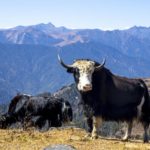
(87,87)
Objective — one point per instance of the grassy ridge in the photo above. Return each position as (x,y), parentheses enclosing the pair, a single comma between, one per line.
(34,140)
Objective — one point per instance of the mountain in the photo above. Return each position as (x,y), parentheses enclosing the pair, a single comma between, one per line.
(41,34)
(28,55)
(134,42)
(131,42)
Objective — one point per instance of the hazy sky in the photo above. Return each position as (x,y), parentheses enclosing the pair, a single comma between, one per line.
(102,14)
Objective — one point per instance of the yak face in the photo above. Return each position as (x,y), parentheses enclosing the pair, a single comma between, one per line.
(83,70)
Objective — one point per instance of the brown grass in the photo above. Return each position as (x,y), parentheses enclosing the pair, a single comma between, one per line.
(34,140)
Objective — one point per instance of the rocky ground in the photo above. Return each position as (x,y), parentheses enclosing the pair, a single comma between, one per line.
(34,140)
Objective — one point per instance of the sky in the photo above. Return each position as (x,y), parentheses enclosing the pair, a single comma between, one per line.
(76,14)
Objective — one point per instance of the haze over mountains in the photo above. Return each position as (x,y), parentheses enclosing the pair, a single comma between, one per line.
(28,55)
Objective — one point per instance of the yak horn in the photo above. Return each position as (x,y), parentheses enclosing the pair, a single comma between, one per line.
(101,65)
(62,63)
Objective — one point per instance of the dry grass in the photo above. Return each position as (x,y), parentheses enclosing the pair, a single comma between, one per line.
(34,140)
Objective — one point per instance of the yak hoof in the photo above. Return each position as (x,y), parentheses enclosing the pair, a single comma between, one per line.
(125,139)
(145,140)
(94,137)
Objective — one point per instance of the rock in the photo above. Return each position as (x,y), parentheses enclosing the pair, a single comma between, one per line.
(60,147)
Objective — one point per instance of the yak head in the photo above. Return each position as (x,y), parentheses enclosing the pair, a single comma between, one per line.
(82,70)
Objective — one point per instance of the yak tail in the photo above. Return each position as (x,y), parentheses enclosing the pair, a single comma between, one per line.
(146,105)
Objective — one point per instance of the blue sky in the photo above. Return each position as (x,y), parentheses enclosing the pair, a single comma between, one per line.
(102,14)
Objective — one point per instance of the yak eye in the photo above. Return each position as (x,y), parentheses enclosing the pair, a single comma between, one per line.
(72,70)
(76,70)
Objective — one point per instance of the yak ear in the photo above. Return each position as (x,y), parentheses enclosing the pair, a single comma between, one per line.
(70,70)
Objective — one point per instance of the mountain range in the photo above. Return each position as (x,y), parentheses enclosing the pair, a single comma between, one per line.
(28,55)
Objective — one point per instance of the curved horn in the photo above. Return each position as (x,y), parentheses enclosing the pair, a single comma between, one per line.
(62,63)
(101,65)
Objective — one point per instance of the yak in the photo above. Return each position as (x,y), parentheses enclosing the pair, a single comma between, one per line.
(109,97)
(37,110)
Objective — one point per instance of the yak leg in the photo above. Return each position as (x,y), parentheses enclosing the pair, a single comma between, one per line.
(145,135)
(97,121)
(90,126)
(128,131)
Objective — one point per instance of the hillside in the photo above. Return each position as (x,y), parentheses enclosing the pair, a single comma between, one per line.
(28,69)
(25,140)
(28,55)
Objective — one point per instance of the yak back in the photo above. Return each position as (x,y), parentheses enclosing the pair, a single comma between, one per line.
(45,106)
